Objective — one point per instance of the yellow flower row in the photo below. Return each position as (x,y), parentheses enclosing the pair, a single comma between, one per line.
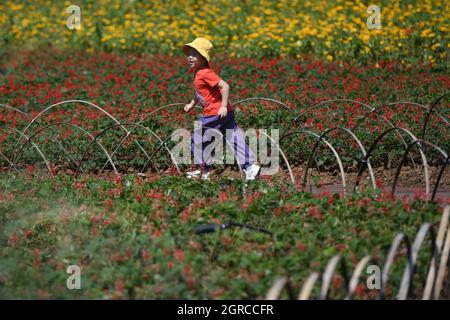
(328,29)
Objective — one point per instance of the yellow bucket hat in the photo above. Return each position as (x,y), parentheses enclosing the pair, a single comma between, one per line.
(202,45)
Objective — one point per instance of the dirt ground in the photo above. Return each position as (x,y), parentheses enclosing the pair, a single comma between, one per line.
(409,176)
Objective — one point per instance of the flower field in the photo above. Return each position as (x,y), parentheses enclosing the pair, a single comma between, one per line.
(134,237)
(334,30)
(76,189)
(131,87)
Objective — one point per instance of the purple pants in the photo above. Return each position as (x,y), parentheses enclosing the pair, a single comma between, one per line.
(200,140)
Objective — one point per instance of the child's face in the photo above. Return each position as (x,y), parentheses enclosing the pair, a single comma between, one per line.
(195,59)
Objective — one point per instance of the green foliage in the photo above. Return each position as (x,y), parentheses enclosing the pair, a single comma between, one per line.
(138,241)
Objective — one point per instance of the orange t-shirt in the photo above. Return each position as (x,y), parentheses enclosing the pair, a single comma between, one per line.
(208,92)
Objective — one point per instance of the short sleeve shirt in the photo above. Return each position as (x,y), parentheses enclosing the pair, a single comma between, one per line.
(208,92)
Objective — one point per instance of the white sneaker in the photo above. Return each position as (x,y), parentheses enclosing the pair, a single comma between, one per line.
(251,172)
(193,174)
(205,176)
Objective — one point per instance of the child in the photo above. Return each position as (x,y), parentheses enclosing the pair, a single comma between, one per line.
(211,92)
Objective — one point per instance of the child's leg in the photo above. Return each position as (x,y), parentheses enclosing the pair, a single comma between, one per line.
(237,139)
(197,146)
(200,141)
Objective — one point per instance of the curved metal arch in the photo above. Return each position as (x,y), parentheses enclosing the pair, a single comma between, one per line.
(74,126)
(330,101)
(114,126)
(12,162)
(372,110)
(427,117)
(352,134)
(421,106)
(163,143)
(441,172)
(376,111)
(407,150)
(363,165)
(338,159)
(399,239)
(308,285)
(283,155)
(29,118)
(355,276)
(26,115)
(327,276)
(409,269)
(277,287)
(264,99)
(432,277)
(75,101)
(279,148)
(9,162)
(439,281)
(177,104)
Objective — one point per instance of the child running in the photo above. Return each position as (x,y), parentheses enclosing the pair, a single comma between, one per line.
(212,93)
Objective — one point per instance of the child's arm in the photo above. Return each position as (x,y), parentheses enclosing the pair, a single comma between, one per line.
(225,89)
(191,104)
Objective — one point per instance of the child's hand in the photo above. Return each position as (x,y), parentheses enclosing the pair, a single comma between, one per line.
(223,112)
(188,107)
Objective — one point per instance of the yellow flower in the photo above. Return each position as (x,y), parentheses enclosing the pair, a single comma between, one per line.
(435,46)
(425,32)
(322,23)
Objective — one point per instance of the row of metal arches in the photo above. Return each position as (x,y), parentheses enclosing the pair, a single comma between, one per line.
(364,161)
(439,245)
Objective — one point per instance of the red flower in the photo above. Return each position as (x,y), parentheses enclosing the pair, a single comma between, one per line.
(30,169)
(217,293)
(154,195)
(138,197)
(195,245)
(145,255)
(223,196)
(337,282)
(185,214)
(301,247)
(190,281)
(156,234)
(227,240)
(43,294)
(186,270)
(178,254)
(360,290)
(315,212)
(27,234)
(277,212)
(108,204)
(13,240)
(378,183)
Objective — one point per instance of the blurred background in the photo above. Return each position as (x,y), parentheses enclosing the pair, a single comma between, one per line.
(333,30)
